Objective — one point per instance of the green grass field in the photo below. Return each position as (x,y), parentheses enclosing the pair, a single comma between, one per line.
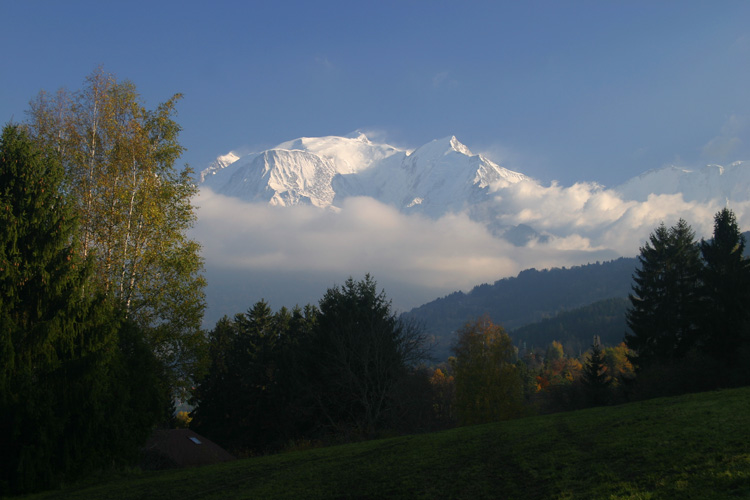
(695,446)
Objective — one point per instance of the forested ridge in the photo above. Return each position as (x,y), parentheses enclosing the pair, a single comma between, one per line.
(575,328)
(530,297)
(103,296)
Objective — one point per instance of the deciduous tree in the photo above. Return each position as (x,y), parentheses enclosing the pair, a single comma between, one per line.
(488,382)
(134,205)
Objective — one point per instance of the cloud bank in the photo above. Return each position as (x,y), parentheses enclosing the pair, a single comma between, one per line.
(291,255)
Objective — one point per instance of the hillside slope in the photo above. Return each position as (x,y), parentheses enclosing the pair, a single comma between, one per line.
(692,446)
(530,297)
(575,328)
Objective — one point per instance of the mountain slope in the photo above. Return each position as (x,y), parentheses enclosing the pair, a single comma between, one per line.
(441,176)
(279,177)
(444,176)
(575,328)
(531,296)
(712,182)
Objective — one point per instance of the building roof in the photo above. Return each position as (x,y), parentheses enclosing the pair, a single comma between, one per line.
(170,448)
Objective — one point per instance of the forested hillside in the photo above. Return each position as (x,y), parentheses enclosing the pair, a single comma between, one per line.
(575,328)
(530,297)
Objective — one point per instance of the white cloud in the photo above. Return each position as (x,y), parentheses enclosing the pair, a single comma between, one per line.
(295,253)
(599,217)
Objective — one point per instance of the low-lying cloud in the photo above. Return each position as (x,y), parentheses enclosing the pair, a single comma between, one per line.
(291,255)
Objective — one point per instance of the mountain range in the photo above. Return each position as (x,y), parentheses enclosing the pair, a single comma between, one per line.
(441,176)
(438,178)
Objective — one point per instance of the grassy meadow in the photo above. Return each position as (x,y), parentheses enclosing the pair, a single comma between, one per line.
(693,446)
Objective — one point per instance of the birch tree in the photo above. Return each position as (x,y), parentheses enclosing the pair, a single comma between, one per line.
(134,204)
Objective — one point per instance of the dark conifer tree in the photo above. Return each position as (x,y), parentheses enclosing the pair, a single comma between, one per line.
(664,309)
(358,353)
(726,290)
(213,396)
(248,398)
(596,380)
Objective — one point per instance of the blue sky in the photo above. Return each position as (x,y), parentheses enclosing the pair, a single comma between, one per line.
(559,90)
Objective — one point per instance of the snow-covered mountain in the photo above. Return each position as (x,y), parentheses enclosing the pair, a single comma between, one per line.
(444,176)
(439,177)
(712,182)
(218,164)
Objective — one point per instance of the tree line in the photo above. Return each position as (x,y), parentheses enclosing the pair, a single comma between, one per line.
(350,369)
(337,371)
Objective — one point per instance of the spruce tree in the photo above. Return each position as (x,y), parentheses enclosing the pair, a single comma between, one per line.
(665,303)
(596,380)
(42,304)
(726,290)
(358,354)
(248,399)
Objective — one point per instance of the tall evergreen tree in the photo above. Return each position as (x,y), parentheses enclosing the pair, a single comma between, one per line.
(664,305)
(213,396)
(248,398)
(726,289)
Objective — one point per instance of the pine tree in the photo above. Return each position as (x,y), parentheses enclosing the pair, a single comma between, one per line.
(664,309)
(248,399)
(358,353)
(596,380)
(43,316)
(726,289)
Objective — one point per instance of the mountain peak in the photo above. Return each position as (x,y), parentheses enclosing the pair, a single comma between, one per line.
(459,147)
(441,147)
(358,135)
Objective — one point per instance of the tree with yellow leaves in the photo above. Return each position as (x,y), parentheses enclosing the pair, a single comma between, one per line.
(488,382)
(133,204)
